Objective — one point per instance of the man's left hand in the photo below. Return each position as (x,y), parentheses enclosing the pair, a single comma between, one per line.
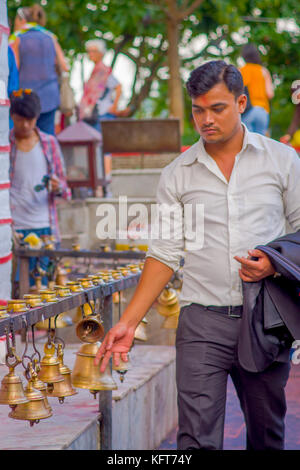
(253,271)
(55,184)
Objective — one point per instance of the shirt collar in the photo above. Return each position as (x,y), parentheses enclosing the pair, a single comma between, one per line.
(198,152)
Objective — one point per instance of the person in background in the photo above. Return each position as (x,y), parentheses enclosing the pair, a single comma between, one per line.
(13,78)
(260,88)
(37,172)
(40,59)
(295,122)
(102,91)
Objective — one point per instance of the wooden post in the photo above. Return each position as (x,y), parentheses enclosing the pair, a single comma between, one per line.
(105,396)
(24,277)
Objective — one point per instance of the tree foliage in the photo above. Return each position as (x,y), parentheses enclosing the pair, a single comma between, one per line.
(214,29)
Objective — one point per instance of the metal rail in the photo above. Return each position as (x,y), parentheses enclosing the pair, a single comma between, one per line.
(24,254)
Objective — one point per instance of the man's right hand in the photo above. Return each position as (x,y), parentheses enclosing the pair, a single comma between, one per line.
(118,341)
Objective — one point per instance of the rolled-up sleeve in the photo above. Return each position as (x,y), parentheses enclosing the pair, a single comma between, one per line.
(291,195)
(166,238)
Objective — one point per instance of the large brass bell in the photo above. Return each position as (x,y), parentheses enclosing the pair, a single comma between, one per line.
(141,331)
(35,409)
(90,329)
(168,306)
(87,375)
(38,384)
(12,391)
(49,372)
(62,389)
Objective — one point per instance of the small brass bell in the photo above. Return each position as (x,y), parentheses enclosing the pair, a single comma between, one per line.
(75,246)
(61,277)
(74,286)
(96,279)
(12,391)
(86,282)
(3,312)
(86,375)
(48,295)
(122,368)
(90,329)
(35,409)
(140,331)
(62,389)
(33,300)
(49,371)
(16,306)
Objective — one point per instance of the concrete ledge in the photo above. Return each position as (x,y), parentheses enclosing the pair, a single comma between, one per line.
(135,183)
(144,408)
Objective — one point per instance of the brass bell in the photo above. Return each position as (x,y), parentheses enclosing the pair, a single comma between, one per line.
(96,279)
(48,295)
(49,371)
(74,286)
(35,409)
(33,300)
(140,331)
(11,391)
(122,368)
(90,329)
(38,384)
(75,246)
(86,282)
(87,310)
(61,277)
(171,322)
(62,389)
(62,291)
(86,375)
(168,304)
(3,312)
(16,306)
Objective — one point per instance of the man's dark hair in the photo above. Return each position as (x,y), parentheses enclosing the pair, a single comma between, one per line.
(205,77)
(251,55)
(25,103)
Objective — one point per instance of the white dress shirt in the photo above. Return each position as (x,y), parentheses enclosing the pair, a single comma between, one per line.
(251,209)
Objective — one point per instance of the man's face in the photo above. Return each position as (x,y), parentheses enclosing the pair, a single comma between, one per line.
(94,55)
(217,113)
(23,127)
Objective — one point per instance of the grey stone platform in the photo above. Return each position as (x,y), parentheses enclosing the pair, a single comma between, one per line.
(144,408)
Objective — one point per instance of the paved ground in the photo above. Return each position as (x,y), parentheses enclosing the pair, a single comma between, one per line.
(235,435)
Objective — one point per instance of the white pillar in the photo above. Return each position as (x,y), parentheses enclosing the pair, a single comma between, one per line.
(5,216)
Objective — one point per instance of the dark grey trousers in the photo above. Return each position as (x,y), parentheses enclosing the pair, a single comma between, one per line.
(206,352)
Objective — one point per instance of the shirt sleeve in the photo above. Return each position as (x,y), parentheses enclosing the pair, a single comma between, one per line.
(166,238)
(59,170)
(291,194)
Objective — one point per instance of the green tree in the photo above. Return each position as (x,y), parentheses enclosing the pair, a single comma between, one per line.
(166,39)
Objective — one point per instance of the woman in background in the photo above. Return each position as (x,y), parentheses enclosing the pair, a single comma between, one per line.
(39,58)
(260,88)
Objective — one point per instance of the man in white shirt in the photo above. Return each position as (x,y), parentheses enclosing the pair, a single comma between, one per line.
(247,187)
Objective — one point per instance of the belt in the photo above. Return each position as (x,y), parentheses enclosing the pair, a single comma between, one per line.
(231,311)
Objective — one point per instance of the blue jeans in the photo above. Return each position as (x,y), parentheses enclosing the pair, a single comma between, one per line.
(256,120)
(44,261)
(45,122)
(106,116)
